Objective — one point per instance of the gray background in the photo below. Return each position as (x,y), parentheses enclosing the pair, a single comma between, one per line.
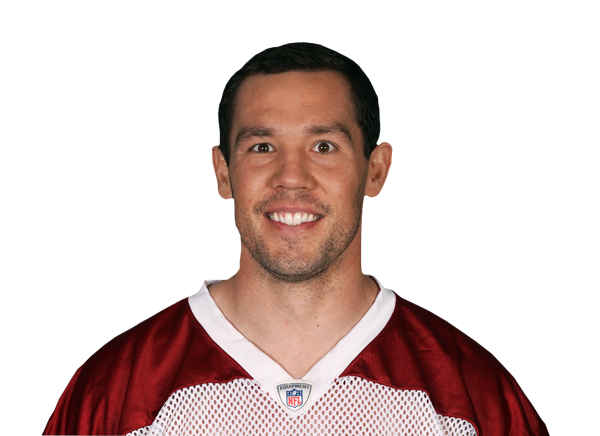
(132,221)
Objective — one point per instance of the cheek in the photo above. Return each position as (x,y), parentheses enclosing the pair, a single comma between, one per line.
(248,183)
(342,183)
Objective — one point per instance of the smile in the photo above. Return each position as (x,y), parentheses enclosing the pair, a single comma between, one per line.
(292,219)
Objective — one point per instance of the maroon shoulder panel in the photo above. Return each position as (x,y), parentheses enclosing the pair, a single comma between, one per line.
(419,350)
(123,386)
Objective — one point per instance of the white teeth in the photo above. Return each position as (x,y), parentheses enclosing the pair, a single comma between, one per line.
(294,219)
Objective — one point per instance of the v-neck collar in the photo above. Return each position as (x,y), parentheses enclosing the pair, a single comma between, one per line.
(269,373)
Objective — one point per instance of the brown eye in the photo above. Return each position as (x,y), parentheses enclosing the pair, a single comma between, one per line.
(323,147)
(262,148)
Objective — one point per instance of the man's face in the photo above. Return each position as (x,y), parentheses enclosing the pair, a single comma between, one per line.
(297,171)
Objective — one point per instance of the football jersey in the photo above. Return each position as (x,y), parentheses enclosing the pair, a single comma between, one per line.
(400,371)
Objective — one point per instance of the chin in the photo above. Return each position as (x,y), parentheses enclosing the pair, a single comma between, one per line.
(294,269)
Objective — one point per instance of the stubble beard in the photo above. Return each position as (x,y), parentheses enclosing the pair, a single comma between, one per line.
(294,269)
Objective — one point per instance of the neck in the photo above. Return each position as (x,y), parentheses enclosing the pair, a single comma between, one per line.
(296,323)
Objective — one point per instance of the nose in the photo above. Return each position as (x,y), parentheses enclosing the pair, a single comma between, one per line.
(292,171)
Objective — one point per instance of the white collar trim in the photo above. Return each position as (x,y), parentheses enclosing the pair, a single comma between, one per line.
(269,373)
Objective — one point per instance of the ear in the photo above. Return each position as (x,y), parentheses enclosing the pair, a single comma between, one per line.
(222,173)
(379,166)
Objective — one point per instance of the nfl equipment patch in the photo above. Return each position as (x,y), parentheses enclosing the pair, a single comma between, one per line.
(294,395)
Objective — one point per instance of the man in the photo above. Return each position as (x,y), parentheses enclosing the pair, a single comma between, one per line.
(298,341)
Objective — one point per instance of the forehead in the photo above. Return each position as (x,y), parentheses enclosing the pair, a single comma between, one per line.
(293,97)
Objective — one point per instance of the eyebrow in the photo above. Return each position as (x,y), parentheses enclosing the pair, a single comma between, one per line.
(331,128)
(252,132)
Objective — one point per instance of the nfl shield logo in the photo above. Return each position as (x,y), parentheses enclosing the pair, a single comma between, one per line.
(294,395)
(294,398)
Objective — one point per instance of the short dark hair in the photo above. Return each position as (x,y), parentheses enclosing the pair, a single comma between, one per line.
(304,56)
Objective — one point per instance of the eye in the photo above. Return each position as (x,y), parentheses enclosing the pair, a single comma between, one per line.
(263,147)
(323,147)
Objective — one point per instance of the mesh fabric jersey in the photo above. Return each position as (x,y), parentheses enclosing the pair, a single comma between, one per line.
(400,371)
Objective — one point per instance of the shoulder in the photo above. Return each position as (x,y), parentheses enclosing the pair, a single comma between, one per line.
(142,339)
(423,351)
(125,383)
(427,333)
(419,350)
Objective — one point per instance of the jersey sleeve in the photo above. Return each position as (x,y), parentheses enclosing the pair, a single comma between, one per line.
(85,409)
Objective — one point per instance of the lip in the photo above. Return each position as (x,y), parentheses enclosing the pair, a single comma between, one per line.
(293,210)
(292,229)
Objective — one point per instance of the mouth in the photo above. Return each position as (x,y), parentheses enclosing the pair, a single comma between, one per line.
(293,218)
